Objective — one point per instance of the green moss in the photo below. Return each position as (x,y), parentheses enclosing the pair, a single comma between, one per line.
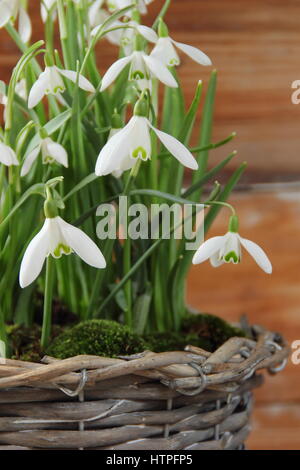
(214,329)
(171,341)
(96,337)
(110,339)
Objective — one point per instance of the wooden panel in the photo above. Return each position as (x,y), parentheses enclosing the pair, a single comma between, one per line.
(272,221)
(275,427)
(255,46)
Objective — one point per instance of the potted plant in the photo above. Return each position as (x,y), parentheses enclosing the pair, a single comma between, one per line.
(99,349)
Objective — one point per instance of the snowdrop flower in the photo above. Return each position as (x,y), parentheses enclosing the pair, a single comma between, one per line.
(57,238)
(50,150)
(117,126)
(165,52)
(227,248)
(142,68)
(133,142)
(9,10)
(7,155)
(50,82)
(125,36)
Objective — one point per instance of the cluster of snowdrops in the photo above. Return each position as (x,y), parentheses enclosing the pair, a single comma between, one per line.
(85,114)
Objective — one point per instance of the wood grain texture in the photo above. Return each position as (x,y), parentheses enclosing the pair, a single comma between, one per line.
(255,46)
(273,221)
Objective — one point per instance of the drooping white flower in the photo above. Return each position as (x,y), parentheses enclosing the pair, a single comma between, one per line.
(125,36)
(227,249)
(51,151)
(164,51)
(50,82)
(142,68)
(133,142)
(9,11)
(56,238)
(7,155)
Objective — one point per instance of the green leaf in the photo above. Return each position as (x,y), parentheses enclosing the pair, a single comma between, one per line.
(141,310)
(87,180)
(209,175)
(51,127)
(38,188)
(213,212)
(206,130)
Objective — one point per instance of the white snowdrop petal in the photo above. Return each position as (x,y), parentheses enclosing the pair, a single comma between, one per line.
(177,149)
(114,151)
(29,160)
(93,10)
(83,82)
(208,249)
(140,142)
(82,245)
(147,33)
(24,25)
(38,90)
(160,71)
(165,52)
(34,257)
(114,70)
(58,152)
(7,155)
(194,53)
(5,14)
(215,261)
(257,254)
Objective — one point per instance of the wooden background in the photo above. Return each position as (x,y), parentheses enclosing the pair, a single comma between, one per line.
(256,48)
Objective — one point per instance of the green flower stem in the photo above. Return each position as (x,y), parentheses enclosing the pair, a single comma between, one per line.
(63,30)
(102,31)
(21,45)
(49,34)
(162,13)
(47,314)
(221,203)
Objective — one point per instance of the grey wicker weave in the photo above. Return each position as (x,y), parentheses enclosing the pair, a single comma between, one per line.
(184,400)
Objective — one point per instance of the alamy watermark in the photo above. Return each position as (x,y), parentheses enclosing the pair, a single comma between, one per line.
(295,98)
(138,221)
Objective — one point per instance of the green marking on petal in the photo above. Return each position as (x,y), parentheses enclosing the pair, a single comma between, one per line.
(60,250)
(141,153)
(48,159)
(58,89)
(231,257)
(137,75)
(125,41)
(174,62)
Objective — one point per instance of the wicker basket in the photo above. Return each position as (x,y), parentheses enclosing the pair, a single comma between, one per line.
(191,400)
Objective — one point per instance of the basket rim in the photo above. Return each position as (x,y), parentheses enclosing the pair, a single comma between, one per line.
(189,372)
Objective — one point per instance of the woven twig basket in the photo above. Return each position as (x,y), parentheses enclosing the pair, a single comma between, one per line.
(188,400)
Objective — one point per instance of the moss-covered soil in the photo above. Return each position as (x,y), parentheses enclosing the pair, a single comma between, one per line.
(110,339)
